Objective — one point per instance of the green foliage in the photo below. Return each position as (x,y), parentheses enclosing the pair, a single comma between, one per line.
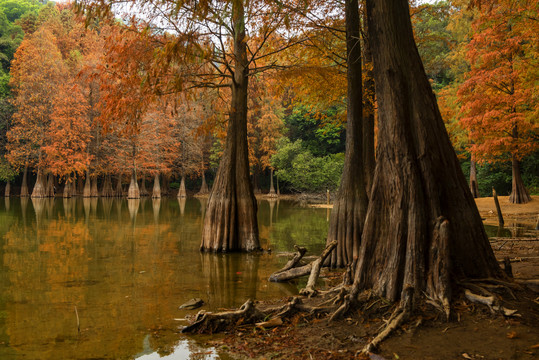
(7,173)
(321,136)
(302,171)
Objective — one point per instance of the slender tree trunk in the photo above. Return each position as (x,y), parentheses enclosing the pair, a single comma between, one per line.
(230,223)
(143,190)
(24,184)
(368,114)
(156,194)
(67,187)
(272,192)
(349,208)
(519,193)
(7,190)
(107,191)
(181,192)
(422,230)
(80,186)
(119,191)
(39,187)
(133,192)
(204,187)
(474,188)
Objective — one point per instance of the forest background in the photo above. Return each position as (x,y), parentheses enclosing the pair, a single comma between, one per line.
(86,106)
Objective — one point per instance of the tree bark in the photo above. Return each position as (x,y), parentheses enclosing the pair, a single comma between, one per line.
(349,208)
(39,187)
(519,193)
(181,192)
(133,192)
(50,186)
(24,184)
(474,189)
(7,190)
(93,190)
(230,223)
(368,113)
(156,193)
(119,191)
(420,201)
(87,192)
(107,191)
(67,187)
(143,190)
(204,187)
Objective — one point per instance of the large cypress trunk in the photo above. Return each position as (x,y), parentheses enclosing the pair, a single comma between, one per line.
(107,187)
(133,192)
(143,190)
(368,113)
(204,187)
(39,187)
(181,191)
(230,222)
(474,188)
(422,229)
(119,191)
(50,186)
(349,208)
(93,190)
(87,192)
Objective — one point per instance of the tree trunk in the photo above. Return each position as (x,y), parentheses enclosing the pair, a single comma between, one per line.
(107,191)
(519,193)
(50,186)
(39,187)
(143,190)
(181,192)
(230,223)
(349,208)
(133,192)
(80,186)
(7,189)
(93,191)
(24,185)
(87,192)
(272,192)
(422,231)
(67,188)
(156,194)
(204,187)
(474,189)
(119,191)
(165,190)
(368,114)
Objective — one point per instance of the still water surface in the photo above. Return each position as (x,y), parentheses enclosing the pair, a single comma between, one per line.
(121,269)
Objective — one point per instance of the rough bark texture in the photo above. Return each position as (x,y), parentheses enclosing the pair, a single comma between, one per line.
(107,187)
(474,189)
(79,190)
(368,114)
(143,190)
(417,179)
(204,187)
(133,192)
(156,193)
(67,188)
(39,187)
(24,184)
(93,190)
(230,223)
(519,193)
(119,191)
(349,208)
(181,191)
(50,186)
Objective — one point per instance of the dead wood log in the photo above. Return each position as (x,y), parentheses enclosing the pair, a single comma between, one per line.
(292,263)
(206,322)
(315,271)
(296,272)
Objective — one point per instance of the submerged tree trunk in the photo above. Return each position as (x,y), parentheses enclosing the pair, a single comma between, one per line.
(156,193)
(272,192)
(474,188)
(422,231)
(50,186)
(107,191)
(349,208)
(519,193)
(87,192)
(181,191)
(230,222)
(39,187)
(133,192)
(93,191)
(24,184)
(204,187)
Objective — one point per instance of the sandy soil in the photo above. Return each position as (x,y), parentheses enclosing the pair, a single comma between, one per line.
(473,333)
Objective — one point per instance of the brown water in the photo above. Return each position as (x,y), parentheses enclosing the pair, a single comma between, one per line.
(121,269)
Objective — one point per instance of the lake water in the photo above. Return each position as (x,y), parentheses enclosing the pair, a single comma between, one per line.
(119,270)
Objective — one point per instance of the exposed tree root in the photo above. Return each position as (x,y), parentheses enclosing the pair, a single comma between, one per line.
(309,290)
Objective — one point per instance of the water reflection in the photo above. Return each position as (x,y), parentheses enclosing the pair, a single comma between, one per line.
(127,266)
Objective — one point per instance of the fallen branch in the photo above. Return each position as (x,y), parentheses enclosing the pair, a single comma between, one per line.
(309,290)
